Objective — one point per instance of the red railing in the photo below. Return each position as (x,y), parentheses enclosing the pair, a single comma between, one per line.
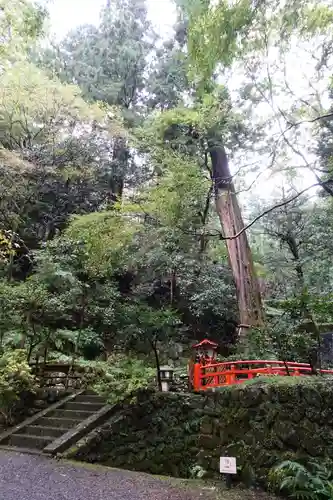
(205,377)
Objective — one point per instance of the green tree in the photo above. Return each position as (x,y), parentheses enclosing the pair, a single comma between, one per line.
(109,62)
(63,140)
(201,133)
(151,327)
(21,23)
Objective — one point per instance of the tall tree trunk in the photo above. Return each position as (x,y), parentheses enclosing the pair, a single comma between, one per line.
(247,286)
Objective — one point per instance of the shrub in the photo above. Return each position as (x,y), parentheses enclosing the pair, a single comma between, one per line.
(314,482)
(120,376)
(15,379)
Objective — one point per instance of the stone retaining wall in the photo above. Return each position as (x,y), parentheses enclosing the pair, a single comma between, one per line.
(180,434)
(29,404)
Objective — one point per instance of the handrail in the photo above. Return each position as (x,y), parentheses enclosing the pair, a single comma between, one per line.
(258,361)
(226,373)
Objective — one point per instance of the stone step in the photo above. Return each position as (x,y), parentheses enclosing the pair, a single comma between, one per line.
(78,406)
(42,430)
(29,441)
(15,449)
(72,414)
(61,423)
(90,398)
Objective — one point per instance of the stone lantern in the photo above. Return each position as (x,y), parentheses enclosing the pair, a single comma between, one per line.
(205,351)
(166,374)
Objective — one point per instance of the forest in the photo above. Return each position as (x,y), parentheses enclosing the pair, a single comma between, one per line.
(158,190)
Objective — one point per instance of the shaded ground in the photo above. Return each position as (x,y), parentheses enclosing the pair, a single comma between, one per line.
(31,477)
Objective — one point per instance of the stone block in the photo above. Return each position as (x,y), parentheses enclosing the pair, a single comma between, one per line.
(206,426)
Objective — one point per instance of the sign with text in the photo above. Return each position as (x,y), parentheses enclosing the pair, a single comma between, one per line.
(228,465)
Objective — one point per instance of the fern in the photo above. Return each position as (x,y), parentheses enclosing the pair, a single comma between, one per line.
(313,482)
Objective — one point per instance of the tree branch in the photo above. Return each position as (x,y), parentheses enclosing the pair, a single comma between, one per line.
(271,209)
(312,120)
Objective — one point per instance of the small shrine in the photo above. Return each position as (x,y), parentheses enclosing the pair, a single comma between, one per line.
(205,352)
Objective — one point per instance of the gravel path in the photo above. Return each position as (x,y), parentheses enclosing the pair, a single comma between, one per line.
(31,477)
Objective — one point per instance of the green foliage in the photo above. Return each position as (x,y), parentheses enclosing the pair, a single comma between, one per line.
(122,376)
(33,105)
(15,378)
(6,247)
(21,23)
(79,285)
(150,325)
(186,128)
(107,61)
(104,239)
(313,482)
(217,34)
(221,33)
(258,344)
(167,78)
(179,195)
(63,138)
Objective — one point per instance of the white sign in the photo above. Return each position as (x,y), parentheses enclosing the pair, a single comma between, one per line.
(228,465)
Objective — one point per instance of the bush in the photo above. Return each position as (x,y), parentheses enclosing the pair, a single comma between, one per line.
(15,379)
(314,482)
(120,376)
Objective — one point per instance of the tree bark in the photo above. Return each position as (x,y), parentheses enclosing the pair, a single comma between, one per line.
(251,312)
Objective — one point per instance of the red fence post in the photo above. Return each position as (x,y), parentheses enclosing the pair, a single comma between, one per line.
(196,377)
(216,379)
(232,379)
(227,378)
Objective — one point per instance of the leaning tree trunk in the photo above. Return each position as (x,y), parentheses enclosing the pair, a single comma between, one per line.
(247,286)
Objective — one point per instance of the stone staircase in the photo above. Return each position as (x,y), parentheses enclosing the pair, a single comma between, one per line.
(46,429)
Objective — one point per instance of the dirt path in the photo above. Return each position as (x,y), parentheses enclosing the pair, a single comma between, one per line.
(31,477)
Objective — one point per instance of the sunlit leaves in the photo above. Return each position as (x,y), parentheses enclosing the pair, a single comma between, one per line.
(33,106)
(179,196)
(222,31)
(216,34)
(15,378)
(104,239)
(6,247)
(21,22)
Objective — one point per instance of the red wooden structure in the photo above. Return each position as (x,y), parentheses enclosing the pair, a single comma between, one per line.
(209,376)
(205,351)
(205,373)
